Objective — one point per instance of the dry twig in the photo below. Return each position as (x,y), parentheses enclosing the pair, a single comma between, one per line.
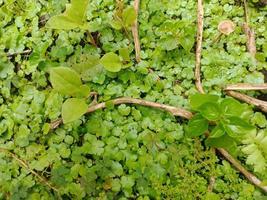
(246,86)
(200,15)
(135,32)
(253,179)
(211,184)
(250,34)
(125,100)
(250,100)
(23,163)
(25,52)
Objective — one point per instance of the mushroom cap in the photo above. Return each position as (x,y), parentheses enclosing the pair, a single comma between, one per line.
(226,27)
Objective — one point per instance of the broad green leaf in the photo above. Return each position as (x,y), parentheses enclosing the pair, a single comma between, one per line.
(197,100)
(210,111)
(116,24)
(125,54)
(218,131)
(73,109)
(73,17)
(223,142)
(187,42)
(197,126)
(231,107)
(127,181)
(129,16)
(236,127)
(111,62)
(89,69)
(168,43)
(68,82)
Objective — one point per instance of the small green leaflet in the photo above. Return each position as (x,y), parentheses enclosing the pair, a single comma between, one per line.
(197,100)
(111,62)
(89,69)
(128,16)
(218,131)
(126,20)
(210,111)
(222,142)
(68,82)
(73,109)
(236,127)
(73,17)
(197,126)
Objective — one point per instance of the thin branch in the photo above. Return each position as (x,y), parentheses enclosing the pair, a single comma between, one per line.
(211,184)
(200,15)
(23,163)
(253,179)
(250,100)
(125,100)
(250,34)
(246,86)
(135,32)
(246,11)
(27,51)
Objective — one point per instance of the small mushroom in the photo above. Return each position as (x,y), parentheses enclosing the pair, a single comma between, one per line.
(225,27)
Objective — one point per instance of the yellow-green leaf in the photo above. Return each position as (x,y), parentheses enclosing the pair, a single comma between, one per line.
(111,62)
(73,17)
(73,109)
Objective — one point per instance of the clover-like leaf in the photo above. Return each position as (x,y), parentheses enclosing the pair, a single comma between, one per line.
(111,62)
(73,109)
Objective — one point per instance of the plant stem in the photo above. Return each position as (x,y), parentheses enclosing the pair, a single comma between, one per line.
(250,34)
(135,32)
(126,100)
(23,163)
(27,51)
(253,179)
(246,86)
(200,14)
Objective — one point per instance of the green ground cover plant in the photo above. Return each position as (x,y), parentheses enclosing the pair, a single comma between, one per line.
(58,58)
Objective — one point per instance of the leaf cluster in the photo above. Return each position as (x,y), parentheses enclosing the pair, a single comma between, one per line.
(226,119)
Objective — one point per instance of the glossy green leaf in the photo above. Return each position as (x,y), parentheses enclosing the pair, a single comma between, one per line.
(231,107)
(210,111)
(111,62)
(73,17)
(125,54)
(68,82)
(187,42)
(222,142)
(197,100)
(129,16)
(168,43)
(197,126)
(73,109)
(90,69)
(218,131)
(236,127)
